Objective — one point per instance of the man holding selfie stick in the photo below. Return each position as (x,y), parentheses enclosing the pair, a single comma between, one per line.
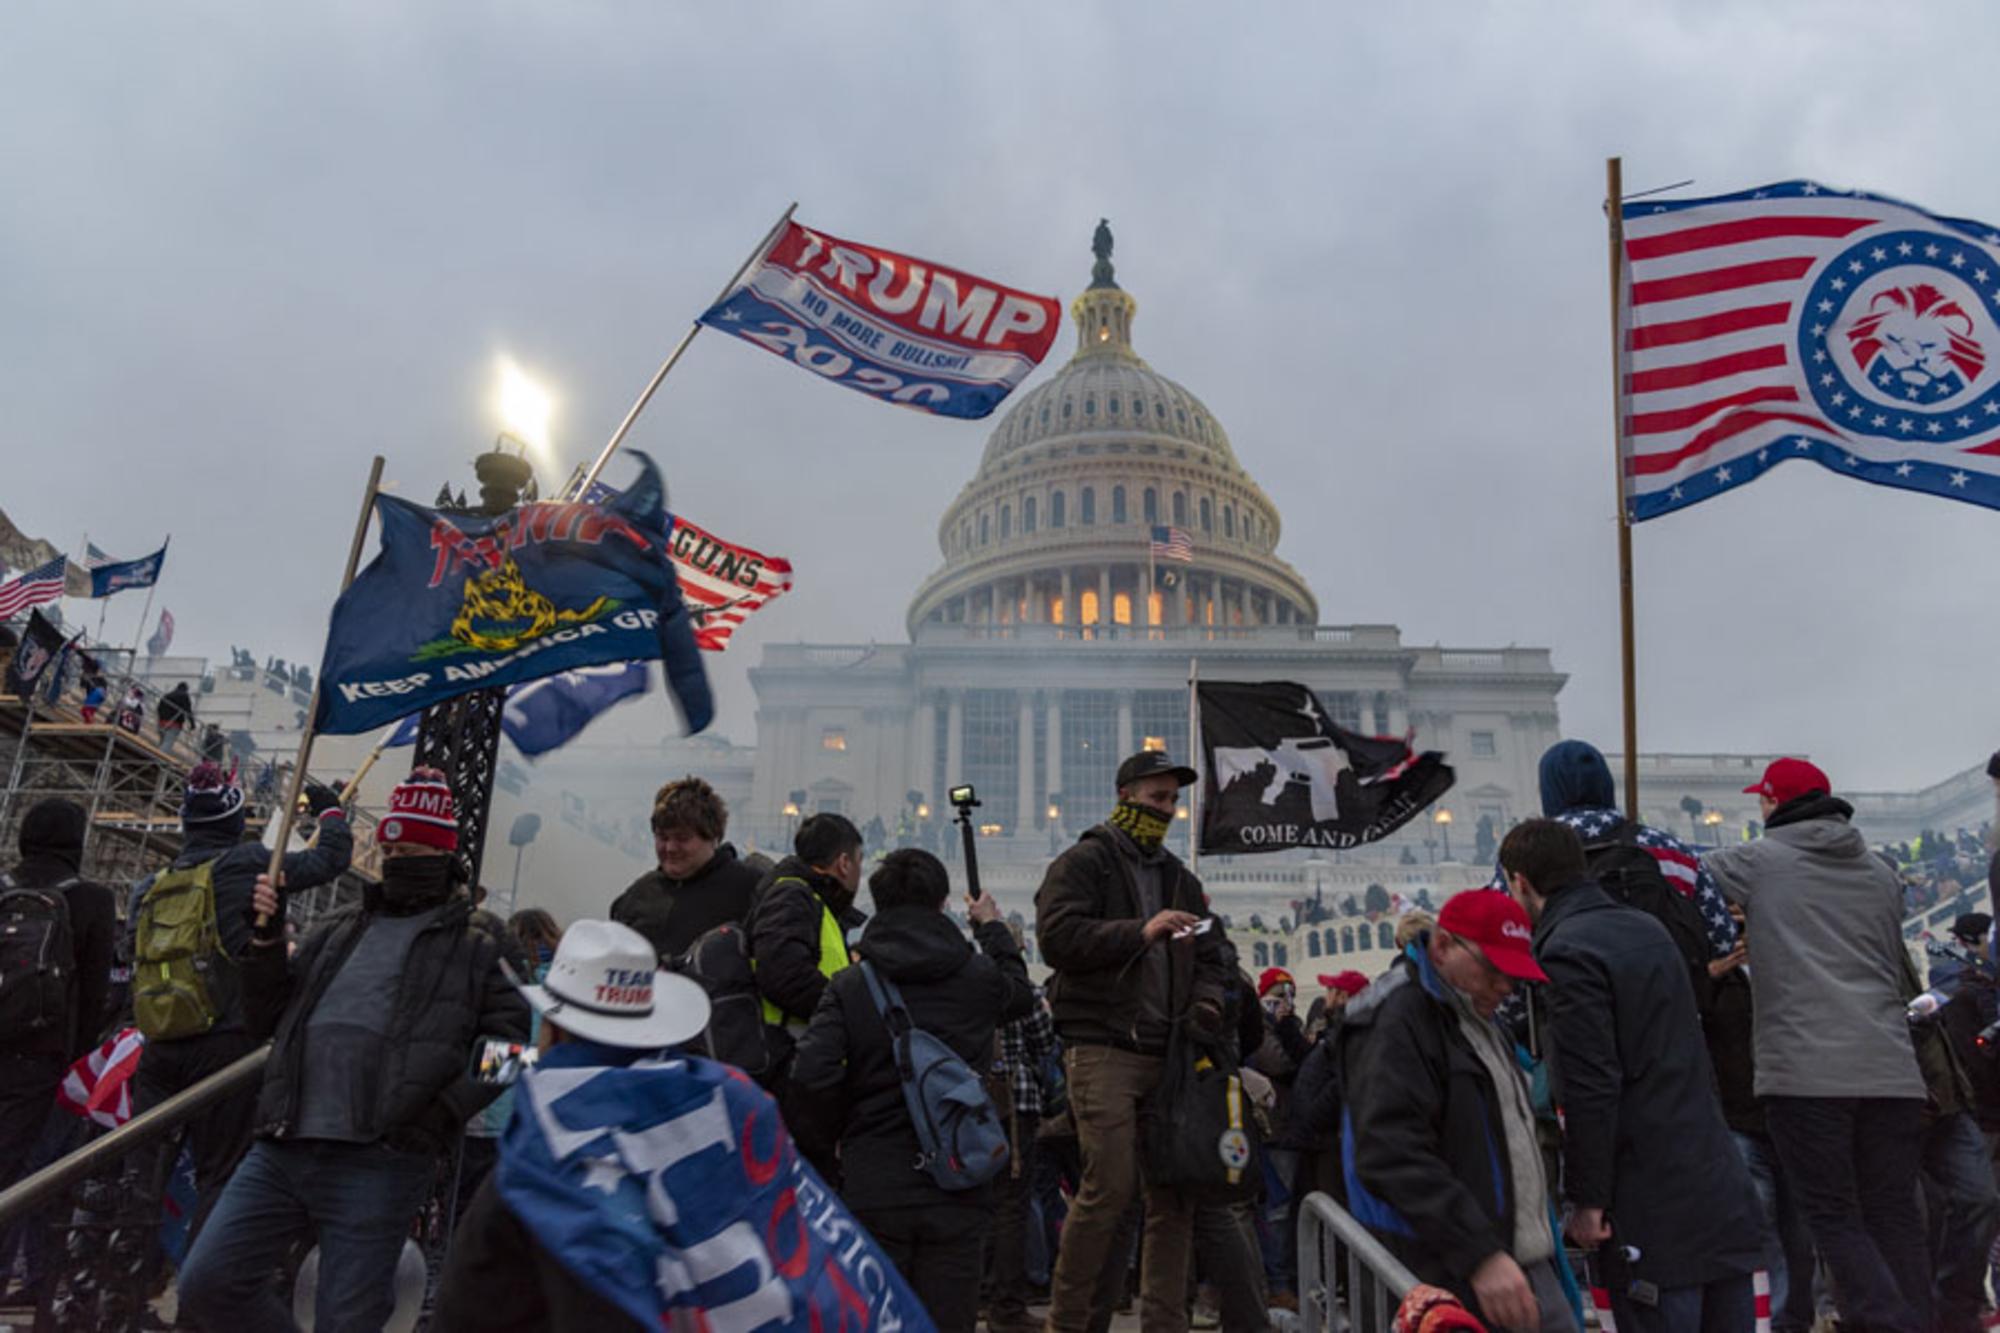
(1125,926)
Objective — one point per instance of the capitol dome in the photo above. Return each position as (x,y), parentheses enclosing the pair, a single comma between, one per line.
(1056,526)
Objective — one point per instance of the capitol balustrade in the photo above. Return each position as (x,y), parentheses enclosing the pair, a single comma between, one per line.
(1376,637)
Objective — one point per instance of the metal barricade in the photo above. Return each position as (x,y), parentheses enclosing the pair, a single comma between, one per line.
(1348,1283)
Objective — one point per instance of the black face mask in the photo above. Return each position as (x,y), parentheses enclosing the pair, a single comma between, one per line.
(413,883)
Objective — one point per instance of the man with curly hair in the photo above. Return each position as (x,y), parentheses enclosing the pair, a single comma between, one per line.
(700,883)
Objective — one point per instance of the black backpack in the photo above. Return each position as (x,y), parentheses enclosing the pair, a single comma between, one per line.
(37,958)
(1632,876)
(719,960)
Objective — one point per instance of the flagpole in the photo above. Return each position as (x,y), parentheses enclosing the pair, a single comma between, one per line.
(289,807)
(104,604)
(1194,750)
(132,662)
(618,436)
(1614,210)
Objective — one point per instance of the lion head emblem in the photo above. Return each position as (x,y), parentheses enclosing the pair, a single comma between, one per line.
(1916,340)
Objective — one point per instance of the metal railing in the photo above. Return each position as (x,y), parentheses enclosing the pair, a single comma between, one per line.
(19,1199)
(1334,1247)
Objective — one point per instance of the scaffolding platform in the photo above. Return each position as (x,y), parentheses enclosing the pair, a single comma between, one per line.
(130,788)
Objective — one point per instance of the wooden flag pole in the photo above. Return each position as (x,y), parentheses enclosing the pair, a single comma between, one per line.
(618,436)
(289,807)
(1614,211)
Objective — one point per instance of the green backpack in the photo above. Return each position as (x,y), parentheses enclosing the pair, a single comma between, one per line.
(178,960)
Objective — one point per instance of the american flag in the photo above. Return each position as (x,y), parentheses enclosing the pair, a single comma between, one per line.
(163,635)
(712,574)
(1799,321)
(37,587)
(1172,544)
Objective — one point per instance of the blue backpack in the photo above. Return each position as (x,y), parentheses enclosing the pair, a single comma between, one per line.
(962,1141)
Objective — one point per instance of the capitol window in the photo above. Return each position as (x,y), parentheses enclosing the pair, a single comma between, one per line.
(1152,505)
(1006,522)
(1087,505)
(1028,514)
(1056,514)
(1090,407)
(1484,745)
(1228,521)
(1117,504)
(1066,407)
(1112,405)
(1160,411)
(985,528)
(833,738)
(1180,508)
(1207,517)
(1138,407)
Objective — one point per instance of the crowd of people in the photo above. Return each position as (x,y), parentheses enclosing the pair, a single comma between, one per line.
(1683,1070)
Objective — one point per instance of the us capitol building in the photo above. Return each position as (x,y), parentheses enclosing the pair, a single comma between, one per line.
(1047,645)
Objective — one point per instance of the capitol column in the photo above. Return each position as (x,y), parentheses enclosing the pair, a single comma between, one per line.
(1068,601)
(1024,766)
(1145,616)
(1052,700)
(1368,715)
(1124,723)
(954,741)
(924,770)
(1104,594)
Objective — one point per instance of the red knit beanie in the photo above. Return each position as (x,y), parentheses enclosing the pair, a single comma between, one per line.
(1272,976)
(421,811)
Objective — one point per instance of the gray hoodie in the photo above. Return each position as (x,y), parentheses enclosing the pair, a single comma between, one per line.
(1825,920)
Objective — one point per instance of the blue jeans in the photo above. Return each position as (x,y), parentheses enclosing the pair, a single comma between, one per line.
(358,1198)
(1274,1237)
(1964,1211)
(1788,1252)
(1727,1306)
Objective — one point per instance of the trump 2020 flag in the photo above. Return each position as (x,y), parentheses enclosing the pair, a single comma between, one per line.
(106,579)
(1278,773)
(906,330)
(672,1189)
(544,714)
(455,603)
(1798,321)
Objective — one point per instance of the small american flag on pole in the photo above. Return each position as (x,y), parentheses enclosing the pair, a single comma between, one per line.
(1172,544)
(1800,321)
(37,587)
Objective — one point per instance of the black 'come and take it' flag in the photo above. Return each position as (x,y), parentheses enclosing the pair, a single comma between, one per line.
(1278,773)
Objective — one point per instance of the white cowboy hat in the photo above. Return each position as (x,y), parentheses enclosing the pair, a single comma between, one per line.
(604,985)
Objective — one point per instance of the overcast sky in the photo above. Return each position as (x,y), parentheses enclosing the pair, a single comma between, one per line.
(243,247)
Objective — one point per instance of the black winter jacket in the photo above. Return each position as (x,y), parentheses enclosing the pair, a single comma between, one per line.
(673,913)
(846,1065)
(1644,1136)
(452,992)
(1089,929)
(93,931)
(237,865)
(1428,1172)
(499,1279)
(785,934)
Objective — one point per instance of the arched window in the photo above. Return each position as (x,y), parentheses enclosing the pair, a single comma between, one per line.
(1312,945)
(1056,514)
(1028,514)
(1152,504)
(965,535)
(1228,522)
(1207,515)
(1006,522)
(1347,939)
(1385,936)
(1180,508)
(985,528)
(1330,945)
(1262,952)
(1279,951)
(1117,504)
(1087,505)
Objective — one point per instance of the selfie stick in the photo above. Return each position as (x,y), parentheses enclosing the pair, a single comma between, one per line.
(971,849)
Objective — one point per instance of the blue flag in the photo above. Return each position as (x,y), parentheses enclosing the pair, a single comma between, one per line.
(547,713)
(456,603)
(672,1187)
(143,573)
(405,732)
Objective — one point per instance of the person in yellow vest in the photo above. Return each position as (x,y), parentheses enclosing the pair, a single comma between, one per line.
(799,928)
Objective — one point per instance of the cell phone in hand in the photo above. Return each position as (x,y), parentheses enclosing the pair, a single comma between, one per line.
(501,1062)
(1198,928)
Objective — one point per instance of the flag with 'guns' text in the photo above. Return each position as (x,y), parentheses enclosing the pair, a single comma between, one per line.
(1798,321)
(904,329)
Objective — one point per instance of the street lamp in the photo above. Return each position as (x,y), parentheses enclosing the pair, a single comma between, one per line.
(1443,820)
(792,806)
(1711,819)
(1055,825)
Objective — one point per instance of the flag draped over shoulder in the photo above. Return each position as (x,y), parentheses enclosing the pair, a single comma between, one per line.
(906,330)
(672,1189)
(455,603)
(1278,773)
(1798,321)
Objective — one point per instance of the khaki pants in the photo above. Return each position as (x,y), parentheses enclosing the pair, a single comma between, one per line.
(1106,1086)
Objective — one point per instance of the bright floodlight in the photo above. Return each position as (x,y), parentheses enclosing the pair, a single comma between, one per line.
(524,407)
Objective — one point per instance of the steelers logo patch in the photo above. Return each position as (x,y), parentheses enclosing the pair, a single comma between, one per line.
(1234,1149)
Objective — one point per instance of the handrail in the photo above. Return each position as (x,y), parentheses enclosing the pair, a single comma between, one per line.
(23,1196)
(1376,1280)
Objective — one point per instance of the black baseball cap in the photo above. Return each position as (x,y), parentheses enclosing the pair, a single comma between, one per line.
(1151,763)
(1972,925)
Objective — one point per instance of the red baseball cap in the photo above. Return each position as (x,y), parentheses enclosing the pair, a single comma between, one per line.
(1349,984)
(1495,922)
(1787,779)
